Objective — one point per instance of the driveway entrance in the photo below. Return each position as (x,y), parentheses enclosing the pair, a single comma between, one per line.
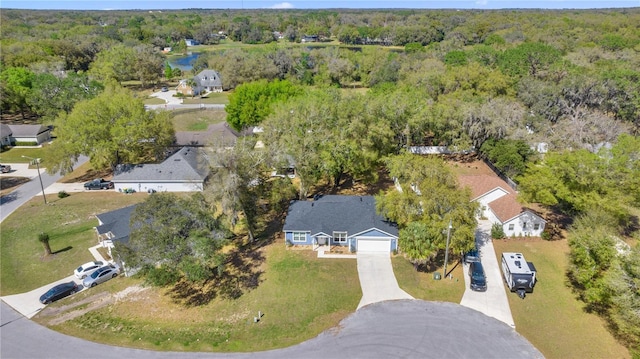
(494,301)
(377,280)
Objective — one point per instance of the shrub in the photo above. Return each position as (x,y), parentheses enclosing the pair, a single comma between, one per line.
(161,276)
(63,194)
(546,236)
(497,232)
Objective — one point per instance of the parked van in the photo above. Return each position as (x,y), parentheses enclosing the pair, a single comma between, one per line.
(477,277)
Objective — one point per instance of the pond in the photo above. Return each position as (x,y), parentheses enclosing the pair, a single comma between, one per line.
(184,63)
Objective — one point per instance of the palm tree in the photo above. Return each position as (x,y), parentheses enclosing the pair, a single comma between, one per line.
(44,239)
(192,83)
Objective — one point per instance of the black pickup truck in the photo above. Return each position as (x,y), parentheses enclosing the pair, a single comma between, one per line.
(98,184)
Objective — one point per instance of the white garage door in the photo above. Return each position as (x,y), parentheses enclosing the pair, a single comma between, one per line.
(374,245)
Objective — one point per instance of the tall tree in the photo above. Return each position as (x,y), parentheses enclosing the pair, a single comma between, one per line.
(15,85)
(252,102)
(428,201)
(112,128)
(51,95)
(182,234)
(236,182)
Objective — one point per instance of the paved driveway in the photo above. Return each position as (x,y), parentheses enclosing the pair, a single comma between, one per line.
(377,280)
(493,302)
(28,304)
(398,329)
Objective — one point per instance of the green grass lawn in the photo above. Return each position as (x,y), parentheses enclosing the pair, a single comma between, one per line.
(299,294)
(421,285)
(551,318)
(196,119)
(14,155)
(69,223)
(213,98)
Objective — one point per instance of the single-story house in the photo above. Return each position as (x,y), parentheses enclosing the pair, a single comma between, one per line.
(219,135)
(35,134)
(348,221)
(5,135)
(114,226)
(498,203)
(184,171)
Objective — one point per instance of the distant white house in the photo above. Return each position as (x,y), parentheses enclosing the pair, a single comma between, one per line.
(33,134)
(184,171)
(498,202)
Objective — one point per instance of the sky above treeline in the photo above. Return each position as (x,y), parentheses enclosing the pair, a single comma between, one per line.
(312,4)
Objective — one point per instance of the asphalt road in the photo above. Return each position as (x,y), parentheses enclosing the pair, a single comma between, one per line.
(181,106)
(24,193)
(392,329)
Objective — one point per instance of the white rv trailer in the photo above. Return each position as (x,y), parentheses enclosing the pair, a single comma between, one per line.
(519,274)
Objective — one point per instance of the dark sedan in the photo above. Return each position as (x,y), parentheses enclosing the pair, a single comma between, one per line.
(58,292)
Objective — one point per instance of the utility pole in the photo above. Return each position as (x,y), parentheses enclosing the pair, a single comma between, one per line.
(446,251)
(37,161)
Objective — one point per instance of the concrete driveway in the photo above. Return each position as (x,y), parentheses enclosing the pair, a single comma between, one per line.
(20,170)
(168,97)
(377,280)
(493,302)
(28,304)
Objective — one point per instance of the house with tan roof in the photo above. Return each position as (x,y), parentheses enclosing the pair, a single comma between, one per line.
(498,202)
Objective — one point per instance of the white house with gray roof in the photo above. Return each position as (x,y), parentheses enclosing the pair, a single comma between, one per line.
(184,171)
(32,134)
(348,221)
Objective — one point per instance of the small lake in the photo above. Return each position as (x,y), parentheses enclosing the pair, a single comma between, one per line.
(184,63)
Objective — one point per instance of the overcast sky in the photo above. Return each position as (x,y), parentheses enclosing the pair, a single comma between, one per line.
(313,4)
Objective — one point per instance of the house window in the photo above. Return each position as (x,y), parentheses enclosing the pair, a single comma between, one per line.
(511,226)
(524,225)
(536,226)
(340,237)
(299,236)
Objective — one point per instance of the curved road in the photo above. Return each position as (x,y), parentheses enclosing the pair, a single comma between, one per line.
(392,329)
(20,196)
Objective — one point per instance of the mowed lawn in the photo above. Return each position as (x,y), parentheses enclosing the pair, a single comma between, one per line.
(551,318)
(196,119)
(422,285)
(69,223)
(299,295)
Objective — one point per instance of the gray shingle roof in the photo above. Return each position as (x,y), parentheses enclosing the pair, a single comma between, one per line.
(116,222)
(186,165)
(208,78)
(27,130)
(353,214)
(5,130)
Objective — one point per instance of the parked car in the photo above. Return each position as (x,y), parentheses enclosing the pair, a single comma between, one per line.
(472,256)
(87,269)
(477,276)
(58,292)
(101,275)
(5,168)
(98,184)
(164,89)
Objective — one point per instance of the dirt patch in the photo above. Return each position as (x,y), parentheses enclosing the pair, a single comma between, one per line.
(96,301)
